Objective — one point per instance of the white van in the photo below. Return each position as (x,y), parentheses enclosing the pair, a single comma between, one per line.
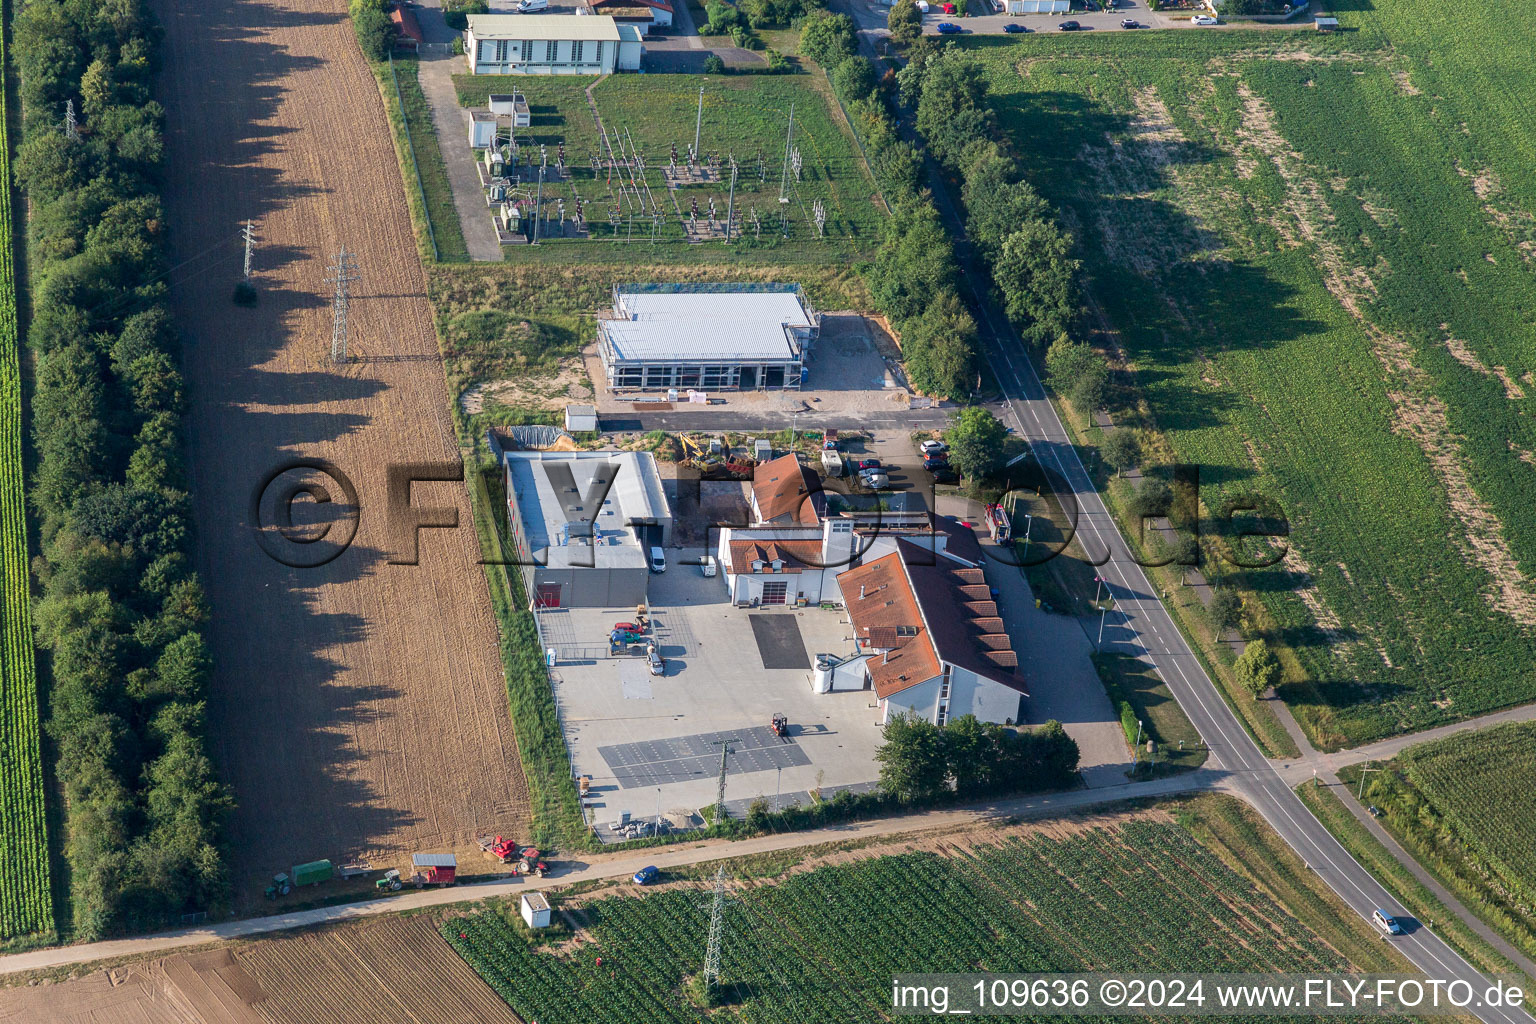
(658,560)
(530,6)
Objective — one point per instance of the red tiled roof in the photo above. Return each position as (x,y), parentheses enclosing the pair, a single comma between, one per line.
(879,599)
(405,21)
(785,488)
(795,554)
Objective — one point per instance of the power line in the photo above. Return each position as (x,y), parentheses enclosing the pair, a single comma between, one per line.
(249,236)
(343,273)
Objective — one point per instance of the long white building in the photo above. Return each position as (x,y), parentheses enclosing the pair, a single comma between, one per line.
(550,44)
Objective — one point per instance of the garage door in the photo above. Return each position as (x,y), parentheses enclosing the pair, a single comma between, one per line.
(775,591)
(547,596)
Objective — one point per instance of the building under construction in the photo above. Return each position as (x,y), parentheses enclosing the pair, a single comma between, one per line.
(731,337)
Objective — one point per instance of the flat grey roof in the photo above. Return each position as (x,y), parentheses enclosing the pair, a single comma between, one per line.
(543,26)
(657,325)
(581,509)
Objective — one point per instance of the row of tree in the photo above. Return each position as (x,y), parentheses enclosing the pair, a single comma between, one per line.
(920,760)
(915,276)
(121,608)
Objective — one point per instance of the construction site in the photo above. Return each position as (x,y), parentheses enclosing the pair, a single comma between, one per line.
(610,161)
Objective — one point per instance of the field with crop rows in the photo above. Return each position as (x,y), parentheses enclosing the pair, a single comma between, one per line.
(1139,894)
(1318,255)
(1479,789)
(26,901)
(745,117)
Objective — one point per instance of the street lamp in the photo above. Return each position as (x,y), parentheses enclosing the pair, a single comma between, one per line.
(1029,522)
(1103,614)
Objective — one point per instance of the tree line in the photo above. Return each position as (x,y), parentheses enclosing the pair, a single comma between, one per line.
(122,610)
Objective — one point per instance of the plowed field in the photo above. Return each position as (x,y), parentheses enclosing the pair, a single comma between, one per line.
(358,708)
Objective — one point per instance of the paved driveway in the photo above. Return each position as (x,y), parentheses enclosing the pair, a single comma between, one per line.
(1093,21)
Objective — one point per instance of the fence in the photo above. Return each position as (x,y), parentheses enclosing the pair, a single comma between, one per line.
(405,124)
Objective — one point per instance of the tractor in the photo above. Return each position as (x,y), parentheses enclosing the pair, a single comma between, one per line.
(280,886)
(390,882)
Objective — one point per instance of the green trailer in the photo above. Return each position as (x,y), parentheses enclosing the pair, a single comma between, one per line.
(313,873)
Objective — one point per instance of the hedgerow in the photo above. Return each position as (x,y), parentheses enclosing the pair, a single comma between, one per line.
(121,609)
(26,899)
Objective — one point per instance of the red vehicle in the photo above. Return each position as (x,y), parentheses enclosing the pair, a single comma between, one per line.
(947,8)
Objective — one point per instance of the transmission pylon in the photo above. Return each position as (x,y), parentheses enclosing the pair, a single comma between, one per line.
(250,243)
(716,932)
(343,273)
(725,753)
(71,127)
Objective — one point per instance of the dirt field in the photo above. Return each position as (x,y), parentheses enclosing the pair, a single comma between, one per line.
(346,974)
(358,709)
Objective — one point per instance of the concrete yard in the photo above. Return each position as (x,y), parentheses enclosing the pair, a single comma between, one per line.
(651,742)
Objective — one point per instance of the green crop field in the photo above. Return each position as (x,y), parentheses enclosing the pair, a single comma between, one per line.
(744,117)
(1142,894)
(26,900)
(1465,806)
(1318,254)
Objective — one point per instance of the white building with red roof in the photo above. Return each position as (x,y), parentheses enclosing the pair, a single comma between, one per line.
(932,643)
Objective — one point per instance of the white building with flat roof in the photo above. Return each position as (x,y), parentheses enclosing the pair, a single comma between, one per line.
(543,44)
(706,337)
(582,523)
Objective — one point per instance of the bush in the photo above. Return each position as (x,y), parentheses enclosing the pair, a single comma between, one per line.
(374,29)
(713,65)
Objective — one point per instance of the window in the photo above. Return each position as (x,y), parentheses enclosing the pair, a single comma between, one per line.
(549,52)
(906,631)
(842,526)
(527,51)
(502,46)
(576,49)
(599,58)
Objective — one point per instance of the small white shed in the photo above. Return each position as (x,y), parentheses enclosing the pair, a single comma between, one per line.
(482,129)
(580,417)
(631,49)
(535,910)
(513,105)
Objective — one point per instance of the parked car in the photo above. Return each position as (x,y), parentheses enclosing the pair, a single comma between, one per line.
(1014,26)
(1203,19)
(658,560)
(657,662)
(1069,26)
(647,875)
(948,28)
(1386,922)
(945,475)
(947,8)
(530,6)
(931,445)
(1129,23)
(868,464)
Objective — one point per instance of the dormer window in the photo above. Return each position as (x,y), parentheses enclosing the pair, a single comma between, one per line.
(757,565)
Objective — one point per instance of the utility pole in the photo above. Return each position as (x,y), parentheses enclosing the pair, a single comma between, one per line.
(71,127)
(250,243)
(698,122)
(730,204)
(1363,772)
(343,273)
(725,753)
(789,139)
(538,207)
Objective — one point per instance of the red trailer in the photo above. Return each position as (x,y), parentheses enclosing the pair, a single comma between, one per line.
(433,868)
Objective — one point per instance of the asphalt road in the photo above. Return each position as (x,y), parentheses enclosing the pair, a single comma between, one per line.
(1140,625)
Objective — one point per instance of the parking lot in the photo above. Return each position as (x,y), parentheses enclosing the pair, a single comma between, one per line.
(1090,21)
(652,743)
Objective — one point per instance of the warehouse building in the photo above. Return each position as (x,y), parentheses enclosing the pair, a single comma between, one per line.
(742,337)
(549,44)
(582,524)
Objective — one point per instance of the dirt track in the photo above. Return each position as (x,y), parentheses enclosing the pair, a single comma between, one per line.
(358,708)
